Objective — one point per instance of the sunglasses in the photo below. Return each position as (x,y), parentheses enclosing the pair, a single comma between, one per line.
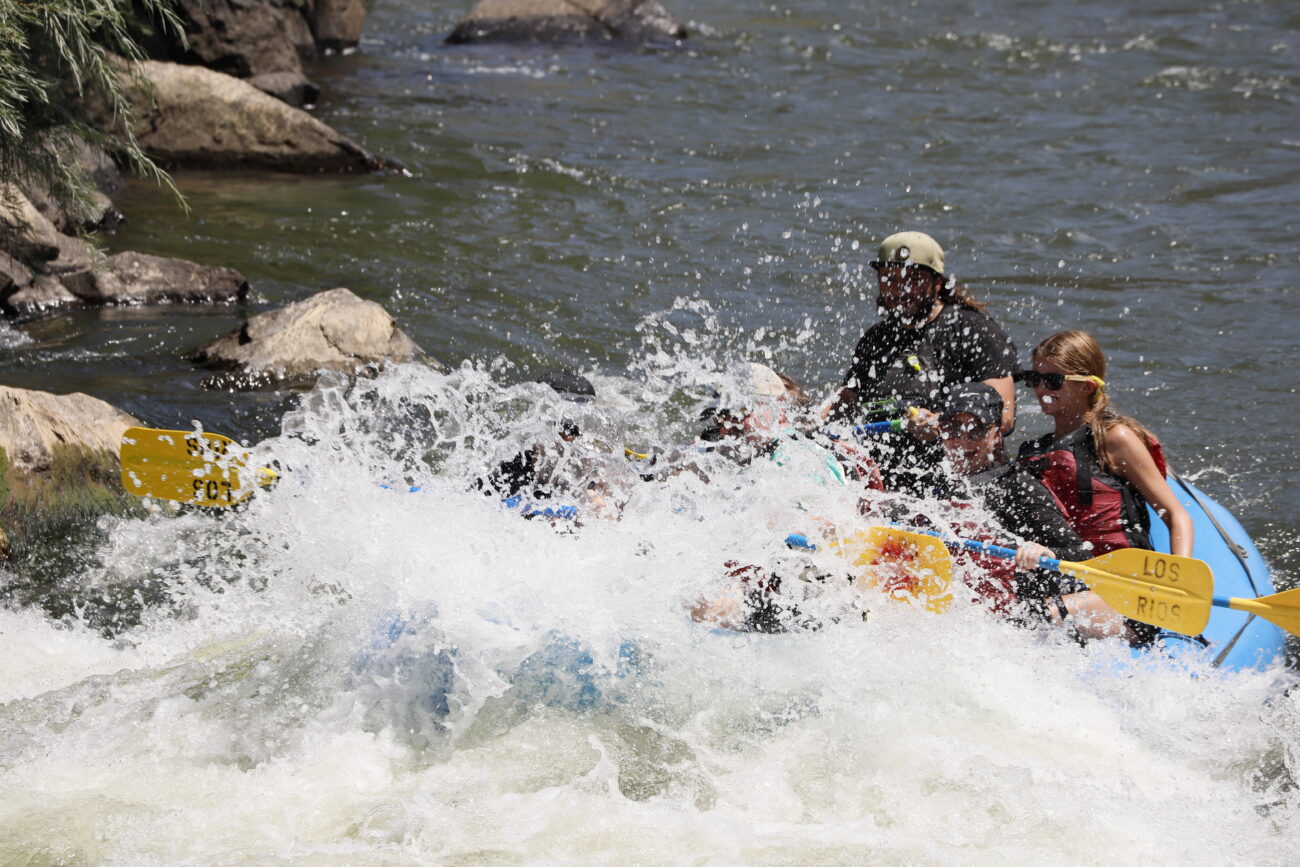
(900,267)
(1053,381)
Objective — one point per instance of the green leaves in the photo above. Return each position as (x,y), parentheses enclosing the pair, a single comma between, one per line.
(55,56)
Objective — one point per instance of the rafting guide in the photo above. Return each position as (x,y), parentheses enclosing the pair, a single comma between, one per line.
(933,333)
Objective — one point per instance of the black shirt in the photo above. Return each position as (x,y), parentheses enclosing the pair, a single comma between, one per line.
(1026,509)
(960,345)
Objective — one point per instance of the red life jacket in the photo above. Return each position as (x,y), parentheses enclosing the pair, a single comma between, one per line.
(1103,508)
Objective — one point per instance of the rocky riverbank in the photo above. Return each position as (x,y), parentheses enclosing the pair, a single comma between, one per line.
(231,96)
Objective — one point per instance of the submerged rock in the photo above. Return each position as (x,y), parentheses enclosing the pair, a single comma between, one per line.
(334,330)
(196,118)
(36,425)
(631,21)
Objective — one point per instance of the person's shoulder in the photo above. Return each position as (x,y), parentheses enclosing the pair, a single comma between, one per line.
(958,319)
(1126,445)
(877,328)
(969,317)
(882,333)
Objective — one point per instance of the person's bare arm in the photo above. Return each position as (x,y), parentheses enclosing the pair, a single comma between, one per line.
(1134,462)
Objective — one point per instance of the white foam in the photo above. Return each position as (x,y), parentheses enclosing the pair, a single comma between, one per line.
(363,674)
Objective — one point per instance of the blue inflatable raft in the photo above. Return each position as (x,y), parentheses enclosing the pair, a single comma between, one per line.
(1233,639)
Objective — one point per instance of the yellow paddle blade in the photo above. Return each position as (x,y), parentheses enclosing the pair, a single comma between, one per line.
(904,566)
(184,466)
(1280,609)
(1161,589)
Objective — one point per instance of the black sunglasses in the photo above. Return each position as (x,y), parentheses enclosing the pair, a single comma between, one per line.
(1052,381)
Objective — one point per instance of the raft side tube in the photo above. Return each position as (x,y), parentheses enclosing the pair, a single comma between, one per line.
(1234,640)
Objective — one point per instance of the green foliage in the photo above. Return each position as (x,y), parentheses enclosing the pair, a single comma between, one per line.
(55,55)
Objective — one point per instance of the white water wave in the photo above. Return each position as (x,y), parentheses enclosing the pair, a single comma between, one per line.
(368,674)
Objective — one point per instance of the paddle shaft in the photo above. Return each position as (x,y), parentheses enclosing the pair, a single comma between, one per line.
(1162,590)
(1065,567)
(1280,609)
(878,427)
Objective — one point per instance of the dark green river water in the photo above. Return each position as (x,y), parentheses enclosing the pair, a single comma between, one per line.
(1131,168)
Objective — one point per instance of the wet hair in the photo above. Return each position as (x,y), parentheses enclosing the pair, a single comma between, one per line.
(1079,353)
(955,293)
(793,393)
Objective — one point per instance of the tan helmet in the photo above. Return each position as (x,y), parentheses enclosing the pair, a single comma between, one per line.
(911,248)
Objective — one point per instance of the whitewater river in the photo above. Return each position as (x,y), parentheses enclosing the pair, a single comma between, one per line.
(343,673)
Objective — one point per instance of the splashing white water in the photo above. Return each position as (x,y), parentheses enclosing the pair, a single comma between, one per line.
(344,671)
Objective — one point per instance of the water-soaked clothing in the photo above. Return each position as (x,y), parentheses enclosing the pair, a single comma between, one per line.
(895,367)
(1105,509)
(1027,511)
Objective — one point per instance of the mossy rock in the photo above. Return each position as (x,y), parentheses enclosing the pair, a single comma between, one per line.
(50,521)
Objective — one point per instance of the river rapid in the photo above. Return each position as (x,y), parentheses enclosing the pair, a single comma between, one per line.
(342,672)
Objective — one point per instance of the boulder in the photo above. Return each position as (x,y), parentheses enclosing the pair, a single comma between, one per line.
(193,117)
(30,237)
(36,425)
(337,24)
(139,278)
(333,330)
(102,178)
(291,87)
(14,275)
(631,21)
(28,234)
(298,29)
(96,212)
(242,38)
(43,294)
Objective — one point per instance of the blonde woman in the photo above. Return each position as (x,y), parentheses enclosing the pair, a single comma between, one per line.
(1104,467)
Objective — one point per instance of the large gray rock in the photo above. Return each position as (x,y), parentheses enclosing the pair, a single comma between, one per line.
(30,237)
(102,178)
(196,118)
(242,38)
(298,29)
(291,87)
(333,330)
(34,425)
(139,278)
(263,41)
(14,275)
(634,21)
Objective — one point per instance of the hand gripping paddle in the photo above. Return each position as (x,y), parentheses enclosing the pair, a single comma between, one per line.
(1164,590)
